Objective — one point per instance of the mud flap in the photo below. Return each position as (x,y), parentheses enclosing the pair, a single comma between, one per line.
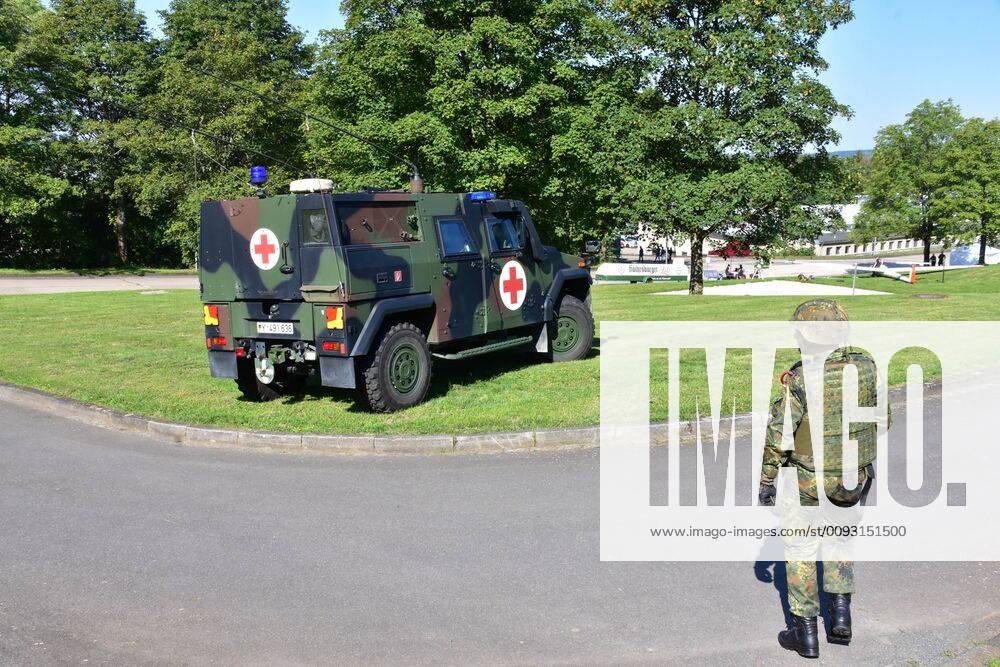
(337,372)
(542,342)
(222,363)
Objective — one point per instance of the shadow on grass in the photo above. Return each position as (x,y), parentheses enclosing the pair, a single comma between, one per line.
(447,374)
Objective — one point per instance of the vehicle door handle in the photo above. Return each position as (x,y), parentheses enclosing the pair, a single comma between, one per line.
(448,273)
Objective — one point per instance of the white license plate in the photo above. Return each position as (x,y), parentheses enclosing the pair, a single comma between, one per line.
(283,328)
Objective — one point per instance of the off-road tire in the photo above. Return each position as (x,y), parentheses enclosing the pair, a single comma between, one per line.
(398,373)
(284,384)
(572,334)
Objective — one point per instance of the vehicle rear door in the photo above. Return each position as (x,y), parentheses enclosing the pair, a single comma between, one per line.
(264,246)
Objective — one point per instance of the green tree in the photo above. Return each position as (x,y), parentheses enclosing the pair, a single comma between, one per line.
(473,90)
(902,191)
(205,123)
(967,183)
(34,187)
(728,104)
(96,57)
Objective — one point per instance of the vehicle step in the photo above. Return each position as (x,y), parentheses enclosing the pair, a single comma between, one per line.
(486,349)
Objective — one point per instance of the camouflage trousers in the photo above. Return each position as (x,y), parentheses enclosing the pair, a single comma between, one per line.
(838,576)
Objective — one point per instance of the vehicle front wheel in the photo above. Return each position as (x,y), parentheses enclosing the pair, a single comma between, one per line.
(574,330)
(398,373)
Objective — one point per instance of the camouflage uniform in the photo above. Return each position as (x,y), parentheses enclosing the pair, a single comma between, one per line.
(838,576)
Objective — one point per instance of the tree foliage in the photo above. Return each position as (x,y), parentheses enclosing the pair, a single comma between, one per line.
(724,103)
(34,187)
(472,90)
(902,192)
(967,184)
(692,117)
(207,117)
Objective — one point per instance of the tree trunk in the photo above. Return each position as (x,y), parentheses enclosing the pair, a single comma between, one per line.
(696,284)
(982,250)
(120,234)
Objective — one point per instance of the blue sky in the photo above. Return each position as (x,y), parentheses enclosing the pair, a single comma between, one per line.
(893,55)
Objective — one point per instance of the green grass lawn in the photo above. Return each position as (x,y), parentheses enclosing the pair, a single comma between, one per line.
(146,354)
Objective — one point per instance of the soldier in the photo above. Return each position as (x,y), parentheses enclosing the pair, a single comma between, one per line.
(838,576)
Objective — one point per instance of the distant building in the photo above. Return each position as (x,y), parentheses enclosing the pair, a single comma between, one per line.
(830,243)
(838,242)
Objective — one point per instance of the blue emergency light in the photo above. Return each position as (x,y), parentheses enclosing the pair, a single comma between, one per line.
(258,175)
(482,196)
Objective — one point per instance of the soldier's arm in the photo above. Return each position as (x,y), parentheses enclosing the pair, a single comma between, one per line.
(774,456)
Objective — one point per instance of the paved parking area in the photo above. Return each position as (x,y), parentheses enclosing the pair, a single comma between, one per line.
(10,285)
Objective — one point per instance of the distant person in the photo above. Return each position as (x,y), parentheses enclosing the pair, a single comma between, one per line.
(670,255)
(878,262)
(729,271)
(941,259)
(640,253)
(740,273)
(933,260)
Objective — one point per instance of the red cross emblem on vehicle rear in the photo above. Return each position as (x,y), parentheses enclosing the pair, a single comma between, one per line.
(513,285)
(264,249)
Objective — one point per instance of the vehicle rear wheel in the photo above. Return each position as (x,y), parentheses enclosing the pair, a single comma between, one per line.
(254,389)
(397,375)
(574,330)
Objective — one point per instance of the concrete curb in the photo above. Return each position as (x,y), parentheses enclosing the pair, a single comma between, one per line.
(208,436)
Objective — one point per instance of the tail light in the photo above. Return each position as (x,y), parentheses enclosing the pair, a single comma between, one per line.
(334,317)
(216,341)
(211,316)
(332,346)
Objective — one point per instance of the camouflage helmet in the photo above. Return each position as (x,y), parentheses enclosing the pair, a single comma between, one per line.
(819,310)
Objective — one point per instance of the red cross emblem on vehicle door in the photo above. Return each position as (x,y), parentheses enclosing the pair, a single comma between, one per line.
(513,285)
(264,249)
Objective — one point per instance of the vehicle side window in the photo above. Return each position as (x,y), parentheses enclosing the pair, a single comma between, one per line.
(454,238)
(503,236)
(315,227)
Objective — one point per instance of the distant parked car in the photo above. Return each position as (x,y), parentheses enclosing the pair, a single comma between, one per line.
(731,249)
(592,246)
(630,242)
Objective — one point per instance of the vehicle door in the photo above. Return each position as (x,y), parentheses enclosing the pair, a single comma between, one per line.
(461,301)
(319,268)
(514,272)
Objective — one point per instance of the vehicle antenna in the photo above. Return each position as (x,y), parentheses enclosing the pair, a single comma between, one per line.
(416,182)
(168,122)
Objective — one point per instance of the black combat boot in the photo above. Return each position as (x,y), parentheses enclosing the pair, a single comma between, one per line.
(840,617)
(802,637)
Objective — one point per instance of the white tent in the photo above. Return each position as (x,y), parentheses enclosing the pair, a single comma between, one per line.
(968,255)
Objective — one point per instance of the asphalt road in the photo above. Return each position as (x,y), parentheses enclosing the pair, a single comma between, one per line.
(115,548)
(29,284)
